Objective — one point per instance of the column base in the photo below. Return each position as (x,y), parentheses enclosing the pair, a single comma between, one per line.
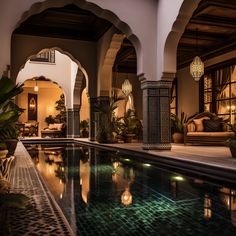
(157,146)
(92,139)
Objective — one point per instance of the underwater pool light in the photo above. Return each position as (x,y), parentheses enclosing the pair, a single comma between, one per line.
(178,178)
(147,164)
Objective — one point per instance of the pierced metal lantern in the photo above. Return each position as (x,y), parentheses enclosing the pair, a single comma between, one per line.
(127,87)
(197,68)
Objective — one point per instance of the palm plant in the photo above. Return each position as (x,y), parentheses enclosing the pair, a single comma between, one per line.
(129,125)
(177,124)
(106,115)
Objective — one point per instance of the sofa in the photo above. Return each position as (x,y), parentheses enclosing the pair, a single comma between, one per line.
(207,128)
(55,130)
(29,128)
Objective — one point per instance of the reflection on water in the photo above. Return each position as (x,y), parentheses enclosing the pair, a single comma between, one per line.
(103,193)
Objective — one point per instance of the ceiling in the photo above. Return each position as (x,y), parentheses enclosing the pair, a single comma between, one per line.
(68,22)
(71,22)
(210,32)
(212,27)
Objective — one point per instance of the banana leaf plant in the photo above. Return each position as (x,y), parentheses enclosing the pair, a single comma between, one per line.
(9,111)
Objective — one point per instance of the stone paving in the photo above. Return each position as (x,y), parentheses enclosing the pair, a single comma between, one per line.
(41,216)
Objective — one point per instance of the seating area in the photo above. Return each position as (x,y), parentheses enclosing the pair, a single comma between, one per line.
(207,129)
(55,130)
(29,128)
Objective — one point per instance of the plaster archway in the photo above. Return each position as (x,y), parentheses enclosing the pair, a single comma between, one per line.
(38,7)
(69,97)
(105,75)
(170,49)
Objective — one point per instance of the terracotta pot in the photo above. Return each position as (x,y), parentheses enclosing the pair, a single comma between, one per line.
(178,137)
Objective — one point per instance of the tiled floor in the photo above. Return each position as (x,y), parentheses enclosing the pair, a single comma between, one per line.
(42,215)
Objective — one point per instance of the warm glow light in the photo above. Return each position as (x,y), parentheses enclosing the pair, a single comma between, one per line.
(36,88)
(197,68)
(60,181)
(207,213)
(32,105)
(126,87)
(127,159)
(61,196)
(126,197)
(178,178)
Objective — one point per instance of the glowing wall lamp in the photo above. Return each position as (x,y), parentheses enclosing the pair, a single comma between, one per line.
(36,88)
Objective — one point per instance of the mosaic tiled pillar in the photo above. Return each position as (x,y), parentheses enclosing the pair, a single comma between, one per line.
(76,119)
(156,114)
(70,123)
(92,102)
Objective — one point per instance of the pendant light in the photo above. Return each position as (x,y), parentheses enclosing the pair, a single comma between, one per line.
(197,66)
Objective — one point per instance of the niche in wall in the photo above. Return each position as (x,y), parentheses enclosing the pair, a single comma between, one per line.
(32,106)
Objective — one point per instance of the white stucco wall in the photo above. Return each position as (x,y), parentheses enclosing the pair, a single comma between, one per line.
(63,72)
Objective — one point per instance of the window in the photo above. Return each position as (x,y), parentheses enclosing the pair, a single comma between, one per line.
(220,92)
(47,57)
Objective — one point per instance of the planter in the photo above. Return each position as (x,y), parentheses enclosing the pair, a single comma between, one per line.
(178,137)
(11,146)
(128,138)
(233,151)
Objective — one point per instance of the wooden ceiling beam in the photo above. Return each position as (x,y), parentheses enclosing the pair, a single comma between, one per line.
(214,21)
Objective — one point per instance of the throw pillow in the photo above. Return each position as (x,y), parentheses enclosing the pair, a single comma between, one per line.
(212,125)
(199,123)
(51,126)
(191,127)
(58,126)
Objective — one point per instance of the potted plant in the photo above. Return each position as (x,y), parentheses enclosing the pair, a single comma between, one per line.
(177,127)
(84,125)
(128,126)
(231,143)
(105,119)
(9,114)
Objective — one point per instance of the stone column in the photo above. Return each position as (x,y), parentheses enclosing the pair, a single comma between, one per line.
(156,113)
(70,123)
(92,102)
(76,119)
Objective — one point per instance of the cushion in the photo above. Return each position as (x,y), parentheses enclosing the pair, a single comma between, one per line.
(51,126)
(212,125)
(191,127)
(199,123)
(58,126)
(211,134)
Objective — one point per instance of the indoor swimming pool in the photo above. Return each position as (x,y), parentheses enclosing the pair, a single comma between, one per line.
(105,193)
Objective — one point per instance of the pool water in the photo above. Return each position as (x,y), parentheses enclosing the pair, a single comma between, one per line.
(105,193)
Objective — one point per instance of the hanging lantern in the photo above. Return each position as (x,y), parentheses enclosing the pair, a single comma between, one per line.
(197,68)
(126,87)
